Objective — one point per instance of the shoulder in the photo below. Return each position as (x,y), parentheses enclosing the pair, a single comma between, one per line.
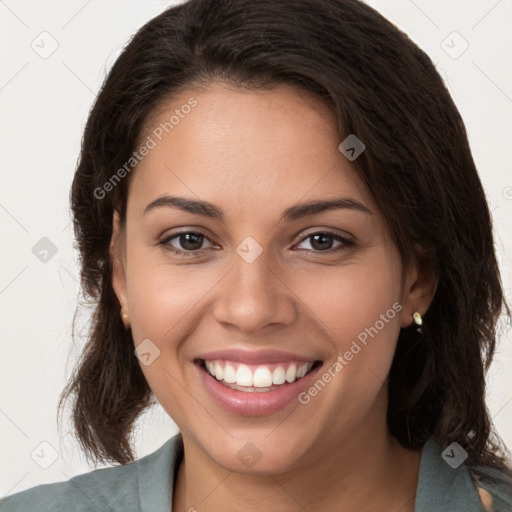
(114,489)
(447,484)
(101,489)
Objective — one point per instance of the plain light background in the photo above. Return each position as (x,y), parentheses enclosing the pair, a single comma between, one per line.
(44,101)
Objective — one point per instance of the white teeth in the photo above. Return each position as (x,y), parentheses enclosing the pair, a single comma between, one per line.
(262,377)
(229,374)
(244,376)
(219,372)
(291,373)
(278,376)
(301,371)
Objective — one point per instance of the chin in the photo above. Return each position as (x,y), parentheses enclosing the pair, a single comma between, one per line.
(257,452)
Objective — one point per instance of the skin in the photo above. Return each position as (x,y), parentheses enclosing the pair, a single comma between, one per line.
(253,154)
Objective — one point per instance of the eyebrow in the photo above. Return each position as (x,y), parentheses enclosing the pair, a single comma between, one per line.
(206,209)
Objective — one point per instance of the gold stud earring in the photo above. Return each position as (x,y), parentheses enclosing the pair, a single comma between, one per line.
(125,318)
(418,321)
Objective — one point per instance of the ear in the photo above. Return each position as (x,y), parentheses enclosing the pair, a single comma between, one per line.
(117,251)
(419,288)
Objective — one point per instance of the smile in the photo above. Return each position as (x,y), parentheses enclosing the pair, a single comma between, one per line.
(256,378)
(253,386)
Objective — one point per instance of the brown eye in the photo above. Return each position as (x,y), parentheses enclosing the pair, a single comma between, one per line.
(323,241)
(189,241)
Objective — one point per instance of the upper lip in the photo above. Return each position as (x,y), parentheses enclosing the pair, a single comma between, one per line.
(254,356)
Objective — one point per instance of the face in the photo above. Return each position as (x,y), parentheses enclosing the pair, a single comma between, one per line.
(257,293)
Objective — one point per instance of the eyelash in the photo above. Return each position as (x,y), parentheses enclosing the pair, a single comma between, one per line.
(345,242)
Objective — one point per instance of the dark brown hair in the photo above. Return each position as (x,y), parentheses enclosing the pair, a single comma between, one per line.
(417,164)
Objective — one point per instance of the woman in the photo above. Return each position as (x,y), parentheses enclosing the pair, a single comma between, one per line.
(278,212)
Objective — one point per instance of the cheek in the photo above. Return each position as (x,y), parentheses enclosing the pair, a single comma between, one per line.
(162,295)
(164,302)
(167,303)
(358,308)
(358,311)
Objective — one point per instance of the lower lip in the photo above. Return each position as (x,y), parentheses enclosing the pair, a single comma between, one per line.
(256,403)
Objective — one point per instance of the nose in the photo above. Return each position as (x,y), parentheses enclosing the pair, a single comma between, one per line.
(253,296)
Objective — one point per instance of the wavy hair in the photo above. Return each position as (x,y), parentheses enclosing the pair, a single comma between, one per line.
(417,164)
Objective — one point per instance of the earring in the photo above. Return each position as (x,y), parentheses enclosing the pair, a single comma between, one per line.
(418,321)
(125,318)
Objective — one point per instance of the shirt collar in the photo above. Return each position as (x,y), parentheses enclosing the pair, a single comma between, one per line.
(157,474)
(442,488)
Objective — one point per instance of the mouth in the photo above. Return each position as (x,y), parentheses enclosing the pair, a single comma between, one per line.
(257,378)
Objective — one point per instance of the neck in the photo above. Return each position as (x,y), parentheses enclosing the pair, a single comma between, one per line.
(371,473)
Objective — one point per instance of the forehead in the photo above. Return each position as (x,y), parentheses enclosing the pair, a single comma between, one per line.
(246,149)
